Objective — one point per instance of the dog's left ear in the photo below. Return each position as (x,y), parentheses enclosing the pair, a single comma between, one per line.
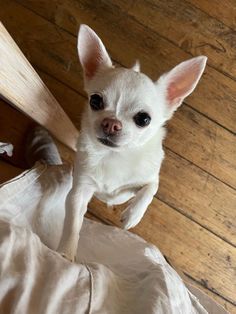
(92,53)
(180,82)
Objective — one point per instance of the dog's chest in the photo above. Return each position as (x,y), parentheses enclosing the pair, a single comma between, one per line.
(122,172)
(118,180)
(114,174)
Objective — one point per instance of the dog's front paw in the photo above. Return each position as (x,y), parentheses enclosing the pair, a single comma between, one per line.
(130,217)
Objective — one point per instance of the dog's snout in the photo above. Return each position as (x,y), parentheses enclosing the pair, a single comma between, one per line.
(111,126)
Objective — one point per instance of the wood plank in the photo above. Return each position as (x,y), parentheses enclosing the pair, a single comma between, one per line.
(179,178)
(70,100)
(203,142)
(216,94)
(198,196)
(93,217)
(45,47)
(224,11)
(193,249)
(14,127)
(23,88)
(204,35)
(7,171)
(227,305)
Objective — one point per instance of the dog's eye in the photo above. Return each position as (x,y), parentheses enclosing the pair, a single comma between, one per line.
(96,102)
(142,119)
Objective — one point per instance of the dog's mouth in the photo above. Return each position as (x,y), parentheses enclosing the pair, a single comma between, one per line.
(107,142)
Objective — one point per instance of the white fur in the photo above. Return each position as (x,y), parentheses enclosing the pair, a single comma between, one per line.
(131,170)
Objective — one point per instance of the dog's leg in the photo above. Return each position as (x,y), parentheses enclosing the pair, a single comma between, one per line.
(132,215)
(76,206)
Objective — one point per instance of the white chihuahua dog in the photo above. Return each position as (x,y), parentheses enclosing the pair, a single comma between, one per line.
(120,145)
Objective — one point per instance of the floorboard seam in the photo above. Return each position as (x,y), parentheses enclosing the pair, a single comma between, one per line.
(180,211)
(136,21)
(211,16)
(206,287)
(197,166)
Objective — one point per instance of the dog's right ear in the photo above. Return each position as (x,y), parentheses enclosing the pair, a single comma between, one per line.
(92,53)
(180,82)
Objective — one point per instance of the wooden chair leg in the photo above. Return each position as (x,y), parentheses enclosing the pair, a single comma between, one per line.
(21,86)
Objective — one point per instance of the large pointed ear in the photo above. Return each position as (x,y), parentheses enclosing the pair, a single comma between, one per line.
(180,82)
(92,53)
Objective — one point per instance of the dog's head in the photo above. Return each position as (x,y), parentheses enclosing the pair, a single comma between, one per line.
(126,108)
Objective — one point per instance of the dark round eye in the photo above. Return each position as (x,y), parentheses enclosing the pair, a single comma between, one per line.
(96,102)
(142,119)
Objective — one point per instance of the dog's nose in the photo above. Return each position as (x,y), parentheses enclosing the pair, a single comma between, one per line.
(111,126)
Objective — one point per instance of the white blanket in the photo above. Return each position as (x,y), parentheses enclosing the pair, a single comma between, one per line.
(117,272)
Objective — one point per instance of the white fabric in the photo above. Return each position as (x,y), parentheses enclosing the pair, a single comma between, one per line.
(117,272)
(6,148)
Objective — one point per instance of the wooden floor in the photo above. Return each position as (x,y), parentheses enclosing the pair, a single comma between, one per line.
(193,217)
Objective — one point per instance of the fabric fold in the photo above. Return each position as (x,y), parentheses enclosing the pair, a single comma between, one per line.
(116,272)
